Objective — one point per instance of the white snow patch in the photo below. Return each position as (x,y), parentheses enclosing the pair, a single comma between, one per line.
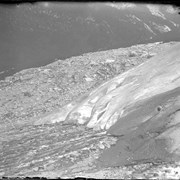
(154,9)
(148,28)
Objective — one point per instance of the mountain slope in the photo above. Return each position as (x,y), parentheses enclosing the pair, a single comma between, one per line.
(142,105)
(144,102)
(61,30)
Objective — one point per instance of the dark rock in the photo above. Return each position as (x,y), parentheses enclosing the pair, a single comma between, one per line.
(146,141)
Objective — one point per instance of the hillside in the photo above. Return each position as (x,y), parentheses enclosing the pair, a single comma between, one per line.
(33,35)
(109,114)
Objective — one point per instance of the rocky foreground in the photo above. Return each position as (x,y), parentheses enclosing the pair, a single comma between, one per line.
(110,114)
